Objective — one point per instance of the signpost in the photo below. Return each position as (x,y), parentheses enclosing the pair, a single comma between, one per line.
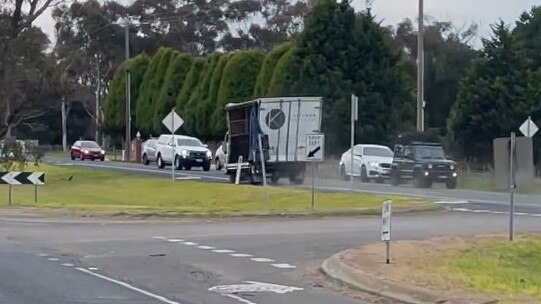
(386,228)
(22,178)
(315,145)
(354,118)
(263,171)
(172,122)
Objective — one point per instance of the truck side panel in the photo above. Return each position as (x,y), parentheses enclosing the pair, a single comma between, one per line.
(287,122)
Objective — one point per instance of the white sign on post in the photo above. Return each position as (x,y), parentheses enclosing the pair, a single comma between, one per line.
(172,121)
(529,128)
(314,147)
(386,221)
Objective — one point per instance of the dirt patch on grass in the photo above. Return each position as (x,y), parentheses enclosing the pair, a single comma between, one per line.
(431,265)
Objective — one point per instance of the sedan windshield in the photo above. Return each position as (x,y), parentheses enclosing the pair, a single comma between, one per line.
(429,152)
(372,151)
(89,145)
(192,142)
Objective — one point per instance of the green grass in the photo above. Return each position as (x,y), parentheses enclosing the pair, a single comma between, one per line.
(110,192)
(498,267)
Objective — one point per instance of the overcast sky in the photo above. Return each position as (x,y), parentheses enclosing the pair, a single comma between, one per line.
(460,12)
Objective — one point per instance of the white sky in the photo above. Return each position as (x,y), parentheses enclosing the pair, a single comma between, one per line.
(460,12)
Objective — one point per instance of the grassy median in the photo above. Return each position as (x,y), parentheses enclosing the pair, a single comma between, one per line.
(92,191)
(498,267)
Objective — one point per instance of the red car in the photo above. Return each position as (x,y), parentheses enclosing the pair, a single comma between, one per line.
(87,149)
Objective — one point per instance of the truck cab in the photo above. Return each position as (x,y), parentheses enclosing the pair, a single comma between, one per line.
(423,162)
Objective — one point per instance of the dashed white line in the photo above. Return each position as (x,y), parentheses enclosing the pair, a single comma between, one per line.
(93,268)
(262,260)
(159,237)
(67,264)
(53,259)
(241,255)
(175,240)
(284,266)
(190,244)
(131,287)
(43,255)
(206,247)
(223,251)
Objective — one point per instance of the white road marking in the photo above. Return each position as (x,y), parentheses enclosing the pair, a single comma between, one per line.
(205,247)
(175,240)
(241,255)
(190,243)
(253,286)
(67,264)
(284,266)
(93,268)
(223,251)
(53,259)
(494,212)
(232,296)
(126,285)
(262,260)
(452,202)
(159,237)
(43,255)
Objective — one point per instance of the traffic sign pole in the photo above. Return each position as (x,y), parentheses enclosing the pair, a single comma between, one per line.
(174,146)
(512,185)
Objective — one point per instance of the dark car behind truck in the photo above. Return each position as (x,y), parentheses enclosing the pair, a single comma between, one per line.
(422,161)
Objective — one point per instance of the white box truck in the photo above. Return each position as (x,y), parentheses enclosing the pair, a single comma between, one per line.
(283,124)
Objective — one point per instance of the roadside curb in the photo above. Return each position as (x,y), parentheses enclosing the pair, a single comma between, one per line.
(334,268)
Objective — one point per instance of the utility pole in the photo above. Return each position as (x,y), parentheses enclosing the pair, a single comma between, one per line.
(128,93)
(420,69)
(98,91)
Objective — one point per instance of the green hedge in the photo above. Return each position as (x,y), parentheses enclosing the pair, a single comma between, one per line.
(189,86)
(238,82)
(203,106)
(174,78)
(267,70)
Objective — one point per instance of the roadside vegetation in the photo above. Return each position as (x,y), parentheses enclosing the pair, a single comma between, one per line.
(95,192)
(497,267)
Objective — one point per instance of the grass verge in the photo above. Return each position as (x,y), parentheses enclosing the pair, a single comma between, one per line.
(90,191)
(498,267)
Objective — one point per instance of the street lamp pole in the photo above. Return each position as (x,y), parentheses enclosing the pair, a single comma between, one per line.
(420,69)
(128,93)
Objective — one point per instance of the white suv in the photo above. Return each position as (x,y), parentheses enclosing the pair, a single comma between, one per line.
(184,151)
(370,162)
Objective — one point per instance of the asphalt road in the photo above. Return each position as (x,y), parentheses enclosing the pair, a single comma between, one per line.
(215,262)
(461,200)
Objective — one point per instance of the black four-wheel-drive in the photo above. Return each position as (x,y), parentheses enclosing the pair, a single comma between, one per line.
(423,162)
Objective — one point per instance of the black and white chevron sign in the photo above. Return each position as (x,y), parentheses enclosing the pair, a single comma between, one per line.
(22,178)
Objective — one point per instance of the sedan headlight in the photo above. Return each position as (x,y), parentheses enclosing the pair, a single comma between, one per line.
(209,154)
(184,153)
(452,166)
(373,164)
(102,152)
(85,152)
(429,166)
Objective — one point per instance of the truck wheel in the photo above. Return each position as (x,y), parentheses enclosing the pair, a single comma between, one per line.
(395,178)
(451,183)
(379,180)
(274,178)
(206,167)
(232,177)
(296,178)
(418,181)
(218,164)
(343,174)
(145,160)
(177,163)
(188,168)
(364,175)
(159,162)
